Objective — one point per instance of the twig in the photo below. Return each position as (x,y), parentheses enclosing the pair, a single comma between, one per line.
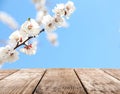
(18,45)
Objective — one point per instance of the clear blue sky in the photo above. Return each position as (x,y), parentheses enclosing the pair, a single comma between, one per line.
(91,40)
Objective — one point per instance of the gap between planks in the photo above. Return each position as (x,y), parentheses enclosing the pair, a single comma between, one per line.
(97,81)
(60,81)
(39,82)
(109,72)
(25,81)
(7,73)
(81,82)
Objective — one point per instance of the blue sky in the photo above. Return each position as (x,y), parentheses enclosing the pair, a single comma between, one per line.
(92,39)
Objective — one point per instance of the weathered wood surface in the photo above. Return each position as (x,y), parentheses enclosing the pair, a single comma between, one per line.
(5,73)
(22,82)
(113,72)
(97,81)
(60,81)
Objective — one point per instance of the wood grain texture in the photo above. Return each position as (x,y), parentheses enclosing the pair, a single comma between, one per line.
(113,72)
(21,82)
(5,73)
(98,82)
(60,81)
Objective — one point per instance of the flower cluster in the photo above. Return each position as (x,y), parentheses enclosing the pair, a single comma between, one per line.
(64,9)
(50,23)
(8,54)
(32,28)
(41,10)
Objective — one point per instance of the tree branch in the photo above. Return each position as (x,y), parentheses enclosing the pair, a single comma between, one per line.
(18,45)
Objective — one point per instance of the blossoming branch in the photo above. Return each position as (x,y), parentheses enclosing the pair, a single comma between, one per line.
(33,28)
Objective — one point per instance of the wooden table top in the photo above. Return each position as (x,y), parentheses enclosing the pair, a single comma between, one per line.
(60,81)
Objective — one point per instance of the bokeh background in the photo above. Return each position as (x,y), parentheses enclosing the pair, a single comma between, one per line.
(91,40)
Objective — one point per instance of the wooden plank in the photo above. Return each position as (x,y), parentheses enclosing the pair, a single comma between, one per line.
(60,81)
(113,72)
(5,73)
(21,82)
(98,82)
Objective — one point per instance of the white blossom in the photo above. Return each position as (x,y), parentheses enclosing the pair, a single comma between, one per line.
(36,1)
(64,9)
(7,19)
(15,36)
(59,21)
(39,4)
(48,23)
(59,10)
(69,8)
(52,37)
(42,2)
(30,28)
(13,56)
(30,49)
(8,54)
(12,43)
(39,7)
(40,15)
(5,51)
